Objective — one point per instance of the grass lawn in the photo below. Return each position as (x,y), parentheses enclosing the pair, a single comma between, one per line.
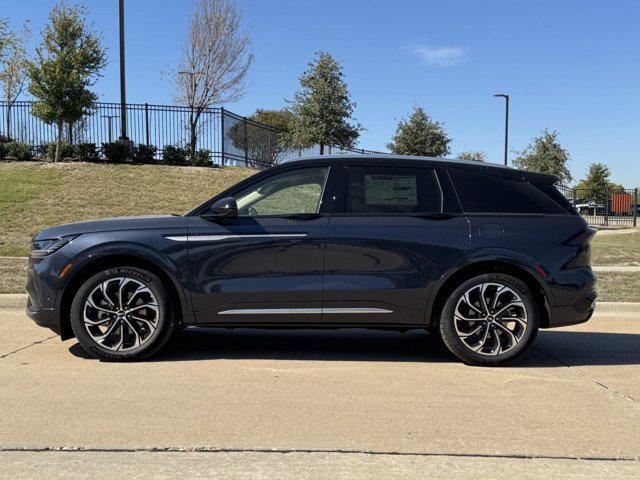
(34,195)
(13,275)
(616,249)
(618,287)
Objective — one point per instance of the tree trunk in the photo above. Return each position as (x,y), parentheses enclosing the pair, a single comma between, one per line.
(194,136)
(193,130)
(9,121)
(59,142)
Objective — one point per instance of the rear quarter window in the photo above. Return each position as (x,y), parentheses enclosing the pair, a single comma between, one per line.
(490,193)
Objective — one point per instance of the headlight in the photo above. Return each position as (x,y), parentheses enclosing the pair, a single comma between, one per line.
(41,248)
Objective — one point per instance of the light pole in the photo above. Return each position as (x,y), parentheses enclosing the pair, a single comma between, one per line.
(506,125)
(123,85)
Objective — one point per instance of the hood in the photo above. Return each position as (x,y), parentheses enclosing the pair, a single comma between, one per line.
(113,224)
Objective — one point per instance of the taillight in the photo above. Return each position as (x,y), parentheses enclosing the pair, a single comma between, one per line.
(582,238)
(581,256)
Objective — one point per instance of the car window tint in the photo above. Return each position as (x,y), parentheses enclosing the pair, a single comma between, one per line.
(487,193)
(393,190)
(297,191)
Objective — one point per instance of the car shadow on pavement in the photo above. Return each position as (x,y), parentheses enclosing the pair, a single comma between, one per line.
(551,348)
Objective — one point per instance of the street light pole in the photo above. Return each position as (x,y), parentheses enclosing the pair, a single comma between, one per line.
(123,85)
(506,125)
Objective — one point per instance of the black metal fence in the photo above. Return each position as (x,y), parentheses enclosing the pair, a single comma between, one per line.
(231,139)
(605,207)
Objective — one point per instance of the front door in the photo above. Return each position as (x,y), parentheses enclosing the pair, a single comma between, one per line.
(266,264)
(388,242)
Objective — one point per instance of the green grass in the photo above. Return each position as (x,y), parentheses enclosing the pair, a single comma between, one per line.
(34,196)
(13,275)
(618,287)
(616,249)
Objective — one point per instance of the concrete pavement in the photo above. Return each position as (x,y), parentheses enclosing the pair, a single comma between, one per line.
(300,404)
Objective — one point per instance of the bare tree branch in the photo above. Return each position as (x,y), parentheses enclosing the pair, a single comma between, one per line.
(216,58)
(13,68)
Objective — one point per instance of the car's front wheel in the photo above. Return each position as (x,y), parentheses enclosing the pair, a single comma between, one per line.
(122,313)
(489,319)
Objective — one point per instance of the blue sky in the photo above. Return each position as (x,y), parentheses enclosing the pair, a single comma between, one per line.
(569,65)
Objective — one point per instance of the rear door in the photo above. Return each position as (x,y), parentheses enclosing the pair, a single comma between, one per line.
(390,238)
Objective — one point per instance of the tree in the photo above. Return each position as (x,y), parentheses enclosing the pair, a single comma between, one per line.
(596,186)
(263,145)
(419,135)
(67,64)
(13,66)
(322,107)
(473,155)
(545,154)
(216,58)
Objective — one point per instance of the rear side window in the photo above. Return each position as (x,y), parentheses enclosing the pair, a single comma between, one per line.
(393,190)
(486,193)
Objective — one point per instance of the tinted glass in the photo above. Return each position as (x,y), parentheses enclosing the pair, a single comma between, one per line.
(485,193)
(393,190)
(297,191)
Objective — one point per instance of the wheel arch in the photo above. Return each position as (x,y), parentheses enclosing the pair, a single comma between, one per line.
(450,281)
(96,263)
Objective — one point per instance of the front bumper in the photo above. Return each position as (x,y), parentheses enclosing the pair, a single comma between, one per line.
(45,317)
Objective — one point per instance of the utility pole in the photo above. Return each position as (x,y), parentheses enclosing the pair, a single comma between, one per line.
(506,125)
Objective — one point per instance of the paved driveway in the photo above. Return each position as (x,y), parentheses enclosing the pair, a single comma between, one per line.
(301,404)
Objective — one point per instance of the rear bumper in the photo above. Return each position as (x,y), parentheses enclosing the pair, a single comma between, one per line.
(579,312)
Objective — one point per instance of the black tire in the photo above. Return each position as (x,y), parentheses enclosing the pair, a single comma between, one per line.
(524,334)
(163,316)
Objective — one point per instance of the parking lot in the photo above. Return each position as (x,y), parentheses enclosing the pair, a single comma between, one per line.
(303,404)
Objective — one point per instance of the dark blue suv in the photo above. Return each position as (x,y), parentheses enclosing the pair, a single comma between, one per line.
(479,254)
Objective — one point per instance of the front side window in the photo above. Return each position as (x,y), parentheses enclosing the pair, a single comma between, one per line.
(288,193)
(388,190)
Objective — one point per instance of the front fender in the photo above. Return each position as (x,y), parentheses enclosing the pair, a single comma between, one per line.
(174,266)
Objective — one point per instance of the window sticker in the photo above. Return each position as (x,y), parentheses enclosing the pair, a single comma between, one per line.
(390,190)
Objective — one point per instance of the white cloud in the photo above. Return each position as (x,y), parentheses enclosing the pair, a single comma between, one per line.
(445,56)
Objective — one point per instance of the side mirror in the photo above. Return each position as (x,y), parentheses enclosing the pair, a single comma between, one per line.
(224,208)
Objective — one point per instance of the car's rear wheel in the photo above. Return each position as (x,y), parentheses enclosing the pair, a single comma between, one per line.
(489,319)
(121,314)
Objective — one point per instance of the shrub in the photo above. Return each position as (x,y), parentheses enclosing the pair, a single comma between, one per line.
(145,153)
(86,151)
(116,152)
(19,151)
(174,155)
(48,150)
(201,158)
(3,151)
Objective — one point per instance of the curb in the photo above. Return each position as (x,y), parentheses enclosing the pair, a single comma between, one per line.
(610,309)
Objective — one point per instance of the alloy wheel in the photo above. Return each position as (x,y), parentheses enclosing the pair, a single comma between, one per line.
(121,314)
(490,319)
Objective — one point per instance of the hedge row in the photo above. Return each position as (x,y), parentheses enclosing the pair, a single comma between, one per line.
(113,152)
